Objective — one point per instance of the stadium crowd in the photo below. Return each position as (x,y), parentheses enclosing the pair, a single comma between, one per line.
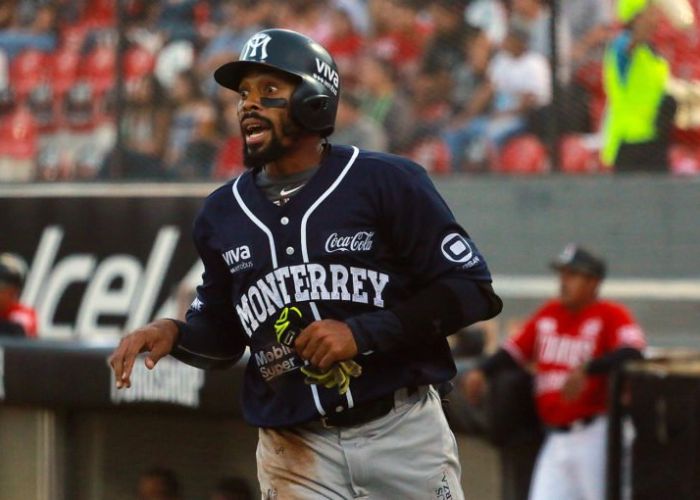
(457,85)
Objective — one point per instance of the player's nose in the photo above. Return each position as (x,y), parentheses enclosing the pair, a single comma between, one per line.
(250,102)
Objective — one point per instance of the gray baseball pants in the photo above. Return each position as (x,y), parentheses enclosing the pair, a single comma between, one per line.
(410,453)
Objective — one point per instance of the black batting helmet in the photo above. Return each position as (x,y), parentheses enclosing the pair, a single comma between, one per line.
(314,103)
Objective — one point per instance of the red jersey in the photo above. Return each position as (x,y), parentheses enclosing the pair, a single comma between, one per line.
(558,340)
(22,315)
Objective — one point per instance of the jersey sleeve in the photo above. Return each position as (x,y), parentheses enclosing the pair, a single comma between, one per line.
(212,336)
(624,330)
(425,236)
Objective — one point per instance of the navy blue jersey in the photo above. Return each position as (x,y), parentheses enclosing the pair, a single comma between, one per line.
(366,232)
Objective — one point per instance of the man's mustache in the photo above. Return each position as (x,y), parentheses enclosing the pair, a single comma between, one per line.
(255,115)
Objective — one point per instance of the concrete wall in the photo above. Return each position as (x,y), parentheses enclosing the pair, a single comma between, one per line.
(647,227)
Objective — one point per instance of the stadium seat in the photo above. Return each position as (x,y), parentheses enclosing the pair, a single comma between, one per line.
(64,70)
(100,13)
(590,77)
(138,62)
(433,154)
(27,71)
(99,69)
(684,160)
(577,157)
(524,154)
(18,135)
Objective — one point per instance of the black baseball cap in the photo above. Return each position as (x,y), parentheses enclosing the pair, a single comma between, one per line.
(11,270)
(579,259)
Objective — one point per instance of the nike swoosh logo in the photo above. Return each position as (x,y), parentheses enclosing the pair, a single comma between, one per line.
(287,192)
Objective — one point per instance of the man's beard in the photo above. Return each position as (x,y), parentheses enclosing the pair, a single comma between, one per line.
(273,151)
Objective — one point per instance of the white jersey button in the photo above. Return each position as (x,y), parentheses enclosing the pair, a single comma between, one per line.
(284,221)
(290,251)
(338,409)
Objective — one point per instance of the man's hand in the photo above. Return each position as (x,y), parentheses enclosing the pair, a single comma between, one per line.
(474,386)
(574,384)
(157,338)
(325,342)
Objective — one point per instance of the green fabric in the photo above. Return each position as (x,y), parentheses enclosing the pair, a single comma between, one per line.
(628,9)
(634,101)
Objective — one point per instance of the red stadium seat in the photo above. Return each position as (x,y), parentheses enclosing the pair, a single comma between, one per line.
(28,70)
(18,135)
(577,157)
(590,77)
(684,160)
(433,155)
(138,62)
(100,13)
(64,70)
(99,69)
(523,155)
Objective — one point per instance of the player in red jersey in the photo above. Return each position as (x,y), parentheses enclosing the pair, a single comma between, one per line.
(15,318)
(572,343)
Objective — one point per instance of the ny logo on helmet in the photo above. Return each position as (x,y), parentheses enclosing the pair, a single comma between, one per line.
(258,41)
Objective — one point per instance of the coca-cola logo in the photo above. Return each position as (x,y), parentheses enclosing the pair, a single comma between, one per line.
(361,241)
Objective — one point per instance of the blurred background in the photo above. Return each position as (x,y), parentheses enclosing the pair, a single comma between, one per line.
(112,131)
(123,90)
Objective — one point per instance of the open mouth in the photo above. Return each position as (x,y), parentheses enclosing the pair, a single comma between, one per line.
(255,130)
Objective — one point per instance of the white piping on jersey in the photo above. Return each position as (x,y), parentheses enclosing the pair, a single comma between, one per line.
(273,254)
(304,220)
(305,250)
(257,222)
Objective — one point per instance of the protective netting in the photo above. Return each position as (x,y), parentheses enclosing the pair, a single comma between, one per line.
(123,90)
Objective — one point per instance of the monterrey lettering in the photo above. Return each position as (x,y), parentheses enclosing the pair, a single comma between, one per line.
(308,282)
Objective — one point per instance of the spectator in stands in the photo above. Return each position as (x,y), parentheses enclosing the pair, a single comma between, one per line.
(229,159)
(232,488)
(142,28)
(176,19)
(158,483)
(400,37)
(385,102)
(15,319)
(445,49)
(490,16)
(536,18)
(309,17)
(192,142)
(345,42)
(354,128)
(590,22)
(472,72)
(239,21)
(431,107)
(145,122)
(519,81)
(639,113)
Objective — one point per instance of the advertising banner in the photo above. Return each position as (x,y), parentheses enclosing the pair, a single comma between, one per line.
(103,259)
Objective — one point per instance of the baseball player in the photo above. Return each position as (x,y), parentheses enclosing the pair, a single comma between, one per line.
(573,342)
(342,271)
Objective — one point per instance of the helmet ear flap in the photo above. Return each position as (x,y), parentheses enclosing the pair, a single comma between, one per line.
(313,111)
(317,102)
